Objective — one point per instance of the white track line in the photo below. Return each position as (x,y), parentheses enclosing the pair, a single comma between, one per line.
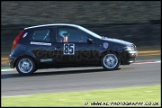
(16,96)
(147,62)
(7,69)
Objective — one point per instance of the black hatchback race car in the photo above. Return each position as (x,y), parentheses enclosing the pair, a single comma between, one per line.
(67,45)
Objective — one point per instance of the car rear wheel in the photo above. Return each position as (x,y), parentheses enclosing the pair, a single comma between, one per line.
(110,61)
(25,66)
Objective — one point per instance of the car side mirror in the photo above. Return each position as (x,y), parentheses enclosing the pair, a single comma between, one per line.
(89,40)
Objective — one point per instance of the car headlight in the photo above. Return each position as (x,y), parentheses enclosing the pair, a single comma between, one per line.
(129,48)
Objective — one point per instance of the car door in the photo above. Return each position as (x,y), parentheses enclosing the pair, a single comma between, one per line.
(40,44)
(73,48)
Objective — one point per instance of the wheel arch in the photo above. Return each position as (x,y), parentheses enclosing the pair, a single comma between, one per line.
(36,64)
(110,51)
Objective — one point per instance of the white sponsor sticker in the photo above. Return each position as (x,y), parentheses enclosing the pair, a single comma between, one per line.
(105,45)
(41,43)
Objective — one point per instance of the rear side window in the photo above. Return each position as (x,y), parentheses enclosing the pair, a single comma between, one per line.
(42,35)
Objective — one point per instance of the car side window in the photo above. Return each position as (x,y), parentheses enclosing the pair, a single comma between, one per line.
(42,35)
(71,35)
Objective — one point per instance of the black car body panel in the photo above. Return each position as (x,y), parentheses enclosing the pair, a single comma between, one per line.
(52,52)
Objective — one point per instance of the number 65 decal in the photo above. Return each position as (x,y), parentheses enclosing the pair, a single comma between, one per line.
(69,49)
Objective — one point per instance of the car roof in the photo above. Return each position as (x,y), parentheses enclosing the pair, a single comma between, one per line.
(47,25)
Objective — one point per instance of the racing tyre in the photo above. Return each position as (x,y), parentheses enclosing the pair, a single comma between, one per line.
(25,66)
(110,61)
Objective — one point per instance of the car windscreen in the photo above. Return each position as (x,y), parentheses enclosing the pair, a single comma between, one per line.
(90,32)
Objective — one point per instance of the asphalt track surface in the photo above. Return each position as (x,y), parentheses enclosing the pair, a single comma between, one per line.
(79,79)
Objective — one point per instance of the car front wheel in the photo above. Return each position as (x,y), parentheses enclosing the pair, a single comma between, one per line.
(25,66)
(110,61)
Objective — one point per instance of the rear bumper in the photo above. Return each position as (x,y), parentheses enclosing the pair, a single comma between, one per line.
(12,61)
(129,57)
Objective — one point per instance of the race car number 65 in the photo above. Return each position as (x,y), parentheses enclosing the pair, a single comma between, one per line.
(69,49)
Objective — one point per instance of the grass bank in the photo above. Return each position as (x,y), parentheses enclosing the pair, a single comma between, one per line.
(132,96)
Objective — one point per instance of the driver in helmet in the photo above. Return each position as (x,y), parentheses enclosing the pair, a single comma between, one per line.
(64,35)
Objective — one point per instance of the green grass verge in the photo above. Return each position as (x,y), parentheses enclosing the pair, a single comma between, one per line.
(140,96)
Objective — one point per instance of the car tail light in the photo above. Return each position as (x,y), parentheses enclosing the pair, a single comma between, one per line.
(17,39)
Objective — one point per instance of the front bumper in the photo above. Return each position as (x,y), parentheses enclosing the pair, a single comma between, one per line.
(129,57)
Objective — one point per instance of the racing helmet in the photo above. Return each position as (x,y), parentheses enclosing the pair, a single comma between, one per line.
(63,33)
